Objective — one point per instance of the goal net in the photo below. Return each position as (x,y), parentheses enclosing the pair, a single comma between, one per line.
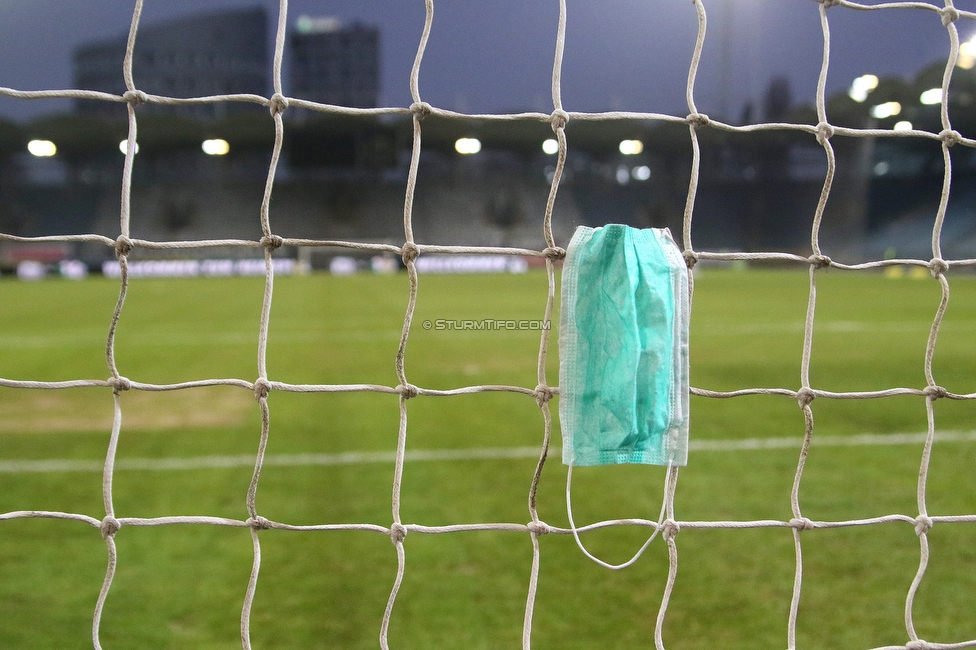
(114,523)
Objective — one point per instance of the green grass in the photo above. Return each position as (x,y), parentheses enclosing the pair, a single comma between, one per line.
(182,586)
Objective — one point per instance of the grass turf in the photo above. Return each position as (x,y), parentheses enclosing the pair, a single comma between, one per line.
(182,586)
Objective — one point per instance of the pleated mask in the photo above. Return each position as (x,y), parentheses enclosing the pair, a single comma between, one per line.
(623,346)
(623,355)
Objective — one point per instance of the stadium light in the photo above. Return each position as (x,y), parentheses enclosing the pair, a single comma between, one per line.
(862,87)
(967,54)
(550,146)
(888,109)
(41,148)
(631,147)
(931,96)
(904,125)
(641,173)
(467,145)
(124,147)
(215,147)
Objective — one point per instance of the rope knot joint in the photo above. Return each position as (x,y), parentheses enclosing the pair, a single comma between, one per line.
(123,246)
(272,242)
(110,526)
(801,523)
(829,3)
(949,15)
(258,522)
(261,388)
(820,261)
(923,524)
(277,104)
(409,252)
(697,120)
(135,97)
(119,384)
(408,391)
(669,529)
(804,396)
(421,109)
(938,266)
(559,119)
(397,533)
(824,132)
(554,253)
(950,137)
(691,259)
(543,394)
(935,392)
(538,528)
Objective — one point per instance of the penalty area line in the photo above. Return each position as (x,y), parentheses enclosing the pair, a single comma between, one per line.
(431,455)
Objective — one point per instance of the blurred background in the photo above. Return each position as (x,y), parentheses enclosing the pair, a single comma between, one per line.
(200,169)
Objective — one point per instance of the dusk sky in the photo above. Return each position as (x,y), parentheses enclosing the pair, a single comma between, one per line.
(496,55)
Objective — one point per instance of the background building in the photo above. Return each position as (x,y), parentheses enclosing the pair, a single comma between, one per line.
(334,64)
(213,53)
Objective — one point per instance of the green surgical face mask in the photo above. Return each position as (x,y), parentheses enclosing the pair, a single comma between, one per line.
(623,349)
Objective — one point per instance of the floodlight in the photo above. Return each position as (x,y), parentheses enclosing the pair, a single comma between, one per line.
(42,148)
(467,145)
(631,147)
(215,147)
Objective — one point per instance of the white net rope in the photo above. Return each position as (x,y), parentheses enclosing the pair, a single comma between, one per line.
(542,393)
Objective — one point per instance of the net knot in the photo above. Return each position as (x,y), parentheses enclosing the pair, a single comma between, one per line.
(119,384)
(538,528)
(923,524)
(123,246)
(938,266)
(691,259)
(135,97)
(950,137)
(261,388)
(829,3)
(408,391)
(409,252)
(804,396)
(824,131)
(258,522)
(697,120)
(949,15)
(669,529)
(277,104)
(820,261)
(918,644)
(110,526)
(543,394)
(559,119)
(935,392)
(554,253)
(397,533)
(272,242)
(421,109)
(801,523)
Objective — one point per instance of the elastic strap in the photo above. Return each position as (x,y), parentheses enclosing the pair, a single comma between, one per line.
(579,542)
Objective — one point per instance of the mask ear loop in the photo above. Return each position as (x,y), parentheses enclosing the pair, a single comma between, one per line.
(579,542)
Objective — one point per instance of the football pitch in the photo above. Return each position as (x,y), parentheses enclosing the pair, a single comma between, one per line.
(470,459)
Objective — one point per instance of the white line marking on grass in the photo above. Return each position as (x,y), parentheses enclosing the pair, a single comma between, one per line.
(826,326)
(182,339)
(367,457)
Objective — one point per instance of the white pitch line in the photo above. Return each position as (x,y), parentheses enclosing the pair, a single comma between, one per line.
(367,457)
